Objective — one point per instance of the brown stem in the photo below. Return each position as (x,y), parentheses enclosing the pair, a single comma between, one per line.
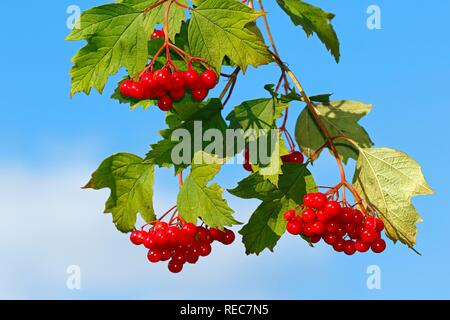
(155,6)
(232,79)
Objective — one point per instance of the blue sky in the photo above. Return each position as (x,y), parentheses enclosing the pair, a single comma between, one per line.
(50,144)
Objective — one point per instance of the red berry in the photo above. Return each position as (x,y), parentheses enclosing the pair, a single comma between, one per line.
(349,247)
(339,245)
(172,234)
(374,223)
(193,79)
(322,215)
(192,256)
(166,254)
(315,239)
(378,246)
(319,200)
(159,92)
(180,256)
(358,217)
(136,90)
(308,200)
(341,231)
(154,256)
(294,227)
(369,235)
(136,238)
(148,80)
(199,94)
(332,208)
(216,234)
(318,227)
(228,237)
(347,215)
(189,229)
(157,34)
(362,246)
(332,227)
(307,230)
(175,267)
(125,87)
(309,215)
(294,157)
(178,80)
(202,234)
(161,238)
(209,79)
(165,103)
(161,226)
(289,215)
(185,239)
(163,79)
(177,94)
(149,241)
(350,227)
(330,238)
(205,249)
(248,167)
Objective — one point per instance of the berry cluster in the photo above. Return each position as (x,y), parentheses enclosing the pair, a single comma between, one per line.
(293,157)
(345,229)
(168,87)
(180,243)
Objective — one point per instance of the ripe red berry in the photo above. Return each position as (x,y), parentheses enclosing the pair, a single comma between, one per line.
(193,79)
(154,256)
(149,241)
(136,238)
(205,249)
(209,79)
(378,246)
(161,238)
(125,87)
(308,200)
(185,239)
(216,234)
(165,103)
(180,256)
(157,34)
(369,235)
(177,94)
(289,215)
(166,254)
(332,227)
(163,78)
(189,229)
(307,230)
(349,247)
(315,239)
(294,227)
(358,217)
(347,215)
(228,237)
(148,80)
(248,167)
(136,90)
(319,200)
(374,223)
(330,238)
(202,234)
(172,235)
(199,94)
(318,228)
(341,231)
(175,267)
(161,226)
(178,80)
(339,245)
(332,208)
(192,256)
(294,157)
(322,215)
(309,216)
(362,246)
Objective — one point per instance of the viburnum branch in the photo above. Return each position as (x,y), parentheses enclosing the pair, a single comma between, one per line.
(155,6)
(231,80)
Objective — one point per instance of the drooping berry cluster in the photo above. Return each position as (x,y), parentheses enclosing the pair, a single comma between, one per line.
(167,86)
(345,229)
(180,243)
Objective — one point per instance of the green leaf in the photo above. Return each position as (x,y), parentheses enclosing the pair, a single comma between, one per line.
(218,28)
(131,182)
(313,20)
(117,36)
(341,119)
(198,200)
(388,179)
(267,224)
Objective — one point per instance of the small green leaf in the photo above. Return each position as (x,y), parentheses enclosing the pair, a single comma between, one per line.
(267,224)
(218,28)
(313,20)
(388,179)
(198,200)
(341,119)
(131,182)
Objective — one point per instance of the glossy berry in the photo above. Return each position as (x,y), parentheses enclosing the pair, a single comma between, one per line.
(332,227)
(308,200)
(216,234)
(307,230)
(322,215)
(347,215)
(349,247)
(294,157)
(358,217)
(289,215)
(209,79)
(178,80)
(315,239)
(157,34)
(149,241)
(294,227)
(228,237)
(136,238)
(378,246)
(318,228)
(154,256)
(177,94)
(330,238)
(362,246)
(202,235)
(309,215)
(332,208)
(166,254)
(148,80)
(136,90)
(339,245)
(175,267)
(199,94)
(205,249)
(319,200)
(161,226)
(189,229)
(248,167)
(193,79)
(369,235)
(125,87)
(374,223)
(165,103)
(163,79)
